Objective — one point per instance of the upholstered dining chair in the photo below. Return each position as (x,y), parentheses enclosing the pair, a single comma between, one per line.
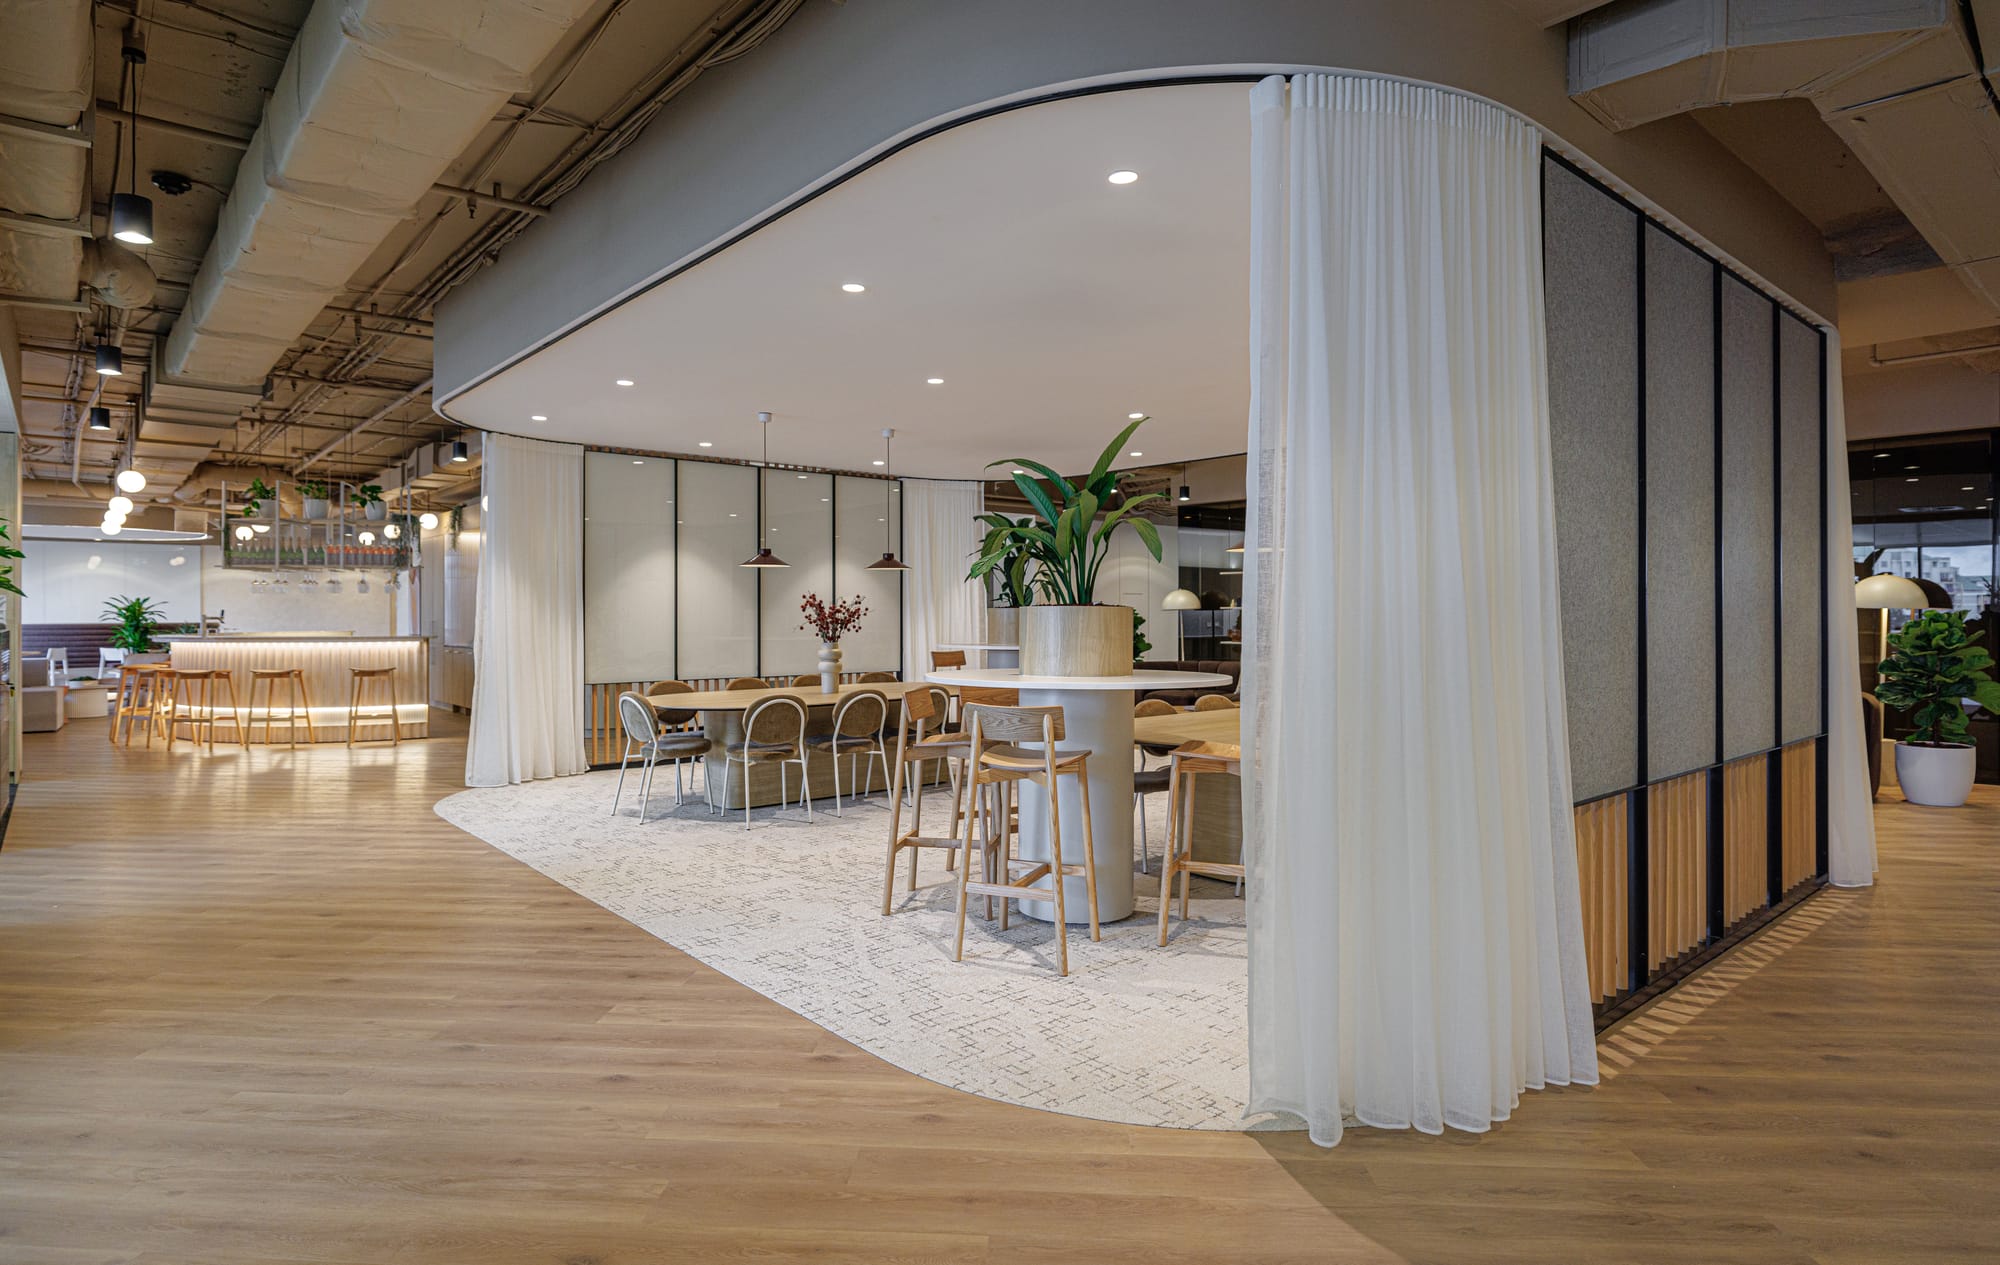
(682,718)
(747,683)
(774,732)
(643,739)
(1216,703)
(857,733)
(1149,781)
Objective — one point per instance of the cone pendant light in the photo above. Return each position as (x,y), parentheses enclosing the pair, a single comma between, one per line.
(764,558)
(890,562)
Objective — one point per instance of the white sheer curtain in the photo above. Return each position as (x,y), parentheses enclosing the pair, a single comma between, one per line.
(1416,937)
(941,533)
(1850,814)
(527,642)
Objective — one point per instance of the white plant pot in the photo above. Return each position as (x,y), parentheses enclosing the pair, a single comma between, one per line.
(1938,776)
(377,511)
(829,667)
(315,507)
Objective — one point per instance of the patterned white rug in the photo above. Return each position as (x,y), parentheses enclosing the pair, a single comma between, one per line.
(1136,1033)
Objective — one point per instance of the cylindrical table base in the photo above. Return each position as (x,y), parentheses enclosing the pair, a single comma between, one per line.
(1099,721)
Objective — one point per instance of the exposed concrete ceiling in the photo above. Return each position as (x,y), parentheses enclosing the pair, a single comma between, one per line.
(202,94)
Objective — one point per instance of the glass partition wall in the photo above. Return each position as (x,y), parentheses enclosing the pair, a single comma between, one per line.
(666,595)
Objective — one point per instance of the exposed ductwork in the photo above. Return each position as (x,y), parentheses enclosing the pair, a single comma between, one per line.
(1908,85)
(376,100)
(45,82)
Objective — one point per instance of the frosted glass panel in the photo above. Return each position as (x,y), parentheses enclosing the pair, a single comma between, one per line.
(798,516)
(628,567)
(717,596)
(1591,249)
(861,506)
(1749,567)
(461,577)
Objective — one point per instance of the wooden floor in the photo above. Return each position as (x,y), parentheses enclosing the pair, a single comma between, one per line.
(268,1007)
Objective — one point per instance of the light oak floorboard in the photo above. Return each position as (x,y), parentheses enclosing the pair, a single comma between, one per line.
(266,1006)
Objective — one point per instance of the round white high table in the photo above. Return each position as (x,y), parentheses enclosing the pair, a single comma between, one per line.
(1097,717)
(993,654)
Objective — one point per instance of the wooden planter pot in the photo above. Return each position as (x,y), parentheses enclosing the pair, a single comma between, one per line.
(1003,625)
(1076,641)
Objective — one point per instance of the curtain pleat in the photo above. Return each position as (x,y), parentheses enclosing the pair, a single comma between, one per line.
(941,533)
(527,641)
(1415,925)
(1850,813)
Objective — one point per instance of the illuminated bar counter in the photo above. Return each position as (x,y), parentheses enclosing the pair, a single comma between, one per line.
(325,658)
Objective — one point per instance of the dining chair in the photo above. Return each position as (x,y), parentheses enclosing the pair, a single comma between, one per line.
(877,678)
(680,719)
(748,683)
(1187,764)
(857,733)
(1216,703)
(997,759)
(643,738)
(805,679)
(773,733)
(947,659)
(921,740)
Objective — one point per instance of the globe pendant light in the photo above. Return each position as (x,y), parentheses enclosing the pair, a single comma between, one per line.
(110,361)
(890,562)
(130,480)
(100,418)
(764,558)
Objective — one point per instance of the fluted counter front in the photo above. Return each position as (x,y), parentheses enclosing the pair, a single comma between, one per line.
(326,661)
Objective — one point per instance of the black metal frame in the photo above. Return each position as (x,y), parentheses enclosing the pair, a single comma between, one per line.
(1647,978)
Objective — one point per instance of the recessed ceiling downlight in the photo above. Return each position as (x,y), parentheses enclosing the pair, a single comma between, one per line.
(626,382)
(936,382)
(538,417)
(1122,177)
(854,287)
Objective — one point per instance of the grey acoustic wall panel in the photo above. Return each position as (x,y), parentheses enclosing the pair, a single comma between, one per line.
(1749,563)
(1591,248)
(1680,507)
(1802,577)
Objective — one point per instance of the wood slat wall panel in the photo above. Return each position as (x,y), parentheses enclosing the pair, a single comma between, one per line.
(1800,775)
(1601,869)
(1677,861)
(1746,834)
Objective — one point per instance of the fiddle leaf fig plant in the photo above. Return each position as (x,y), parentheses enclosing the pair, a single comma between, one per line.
(1933,663)
(1065,538)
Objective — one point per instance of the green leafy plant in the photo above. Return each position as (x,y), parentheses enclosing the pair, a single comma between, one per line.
(1012,572)
(1140,643)
(255,495)
(368,494)
(9,552)
(313,489)
(1933,663)
(1065,538)
(138,618)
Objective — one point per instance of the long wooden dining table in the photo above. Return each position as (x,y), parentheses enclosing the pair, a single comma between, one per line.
(722,713)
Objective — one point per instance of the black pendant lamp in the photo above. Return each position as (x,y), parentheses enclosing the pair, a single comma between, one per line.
(132,213)
(890,562)
(110,361)
(460,452)
(100,418)
(764,558)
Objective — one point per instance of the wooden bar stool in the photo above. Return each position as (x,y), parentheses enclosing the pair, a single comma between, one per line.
(359,710)
(1189,762)
(914,749)
(298,704)
(997,760)
(196,702)
(136,701)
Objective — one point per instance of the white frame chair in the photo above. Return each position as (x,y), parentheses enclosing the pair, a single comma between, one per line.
(643,738)
(753,751)
(865,743)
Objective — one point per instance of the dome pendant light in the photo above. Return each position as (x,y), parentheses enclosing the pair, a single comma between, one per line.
(890,562)
(764,558)
(110,361)
(100,418)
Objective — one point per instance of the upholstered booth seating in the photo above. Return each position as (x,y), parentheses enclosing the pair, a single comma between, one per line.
(1185,698)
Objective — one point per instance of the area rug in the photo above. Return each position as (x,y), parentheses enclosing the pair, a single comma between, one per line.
(1136,1033)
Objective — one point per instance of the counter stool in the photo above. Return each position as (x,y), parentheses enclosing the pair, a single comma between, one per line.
(298,704)
(1188,762)
(359,709)
(137,700)
(914,750)
(195,691)
(996,760)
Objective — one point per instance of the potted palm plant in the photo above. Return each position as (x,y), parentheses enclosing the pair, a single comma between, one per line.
(1067,538)
(138,618)
(1933,664)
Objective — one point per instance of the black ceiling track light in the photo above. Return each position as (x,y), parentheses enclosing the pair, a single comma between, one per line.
(132,213)
(764,558)
(889,562)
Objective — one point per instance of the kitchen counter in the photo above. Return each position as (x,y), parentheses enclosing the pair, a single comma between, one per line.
(325,658)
